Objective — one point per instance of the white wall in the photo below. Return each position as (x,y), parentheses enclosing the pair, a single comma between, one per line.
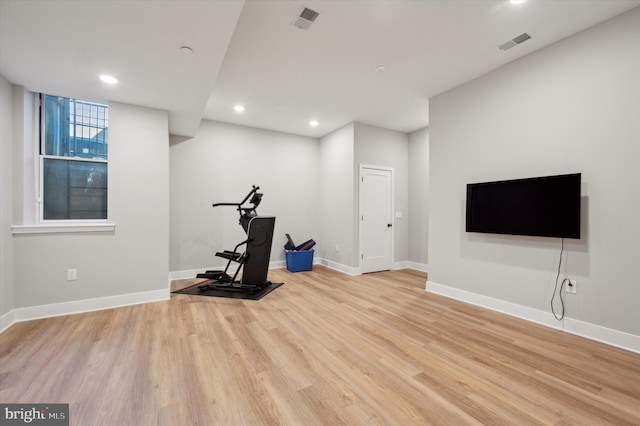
(24,156)
(132,259)
(386,148)
(221,164)
(6,198)
(419,198)
(337,200)
(310,185)
(571,107)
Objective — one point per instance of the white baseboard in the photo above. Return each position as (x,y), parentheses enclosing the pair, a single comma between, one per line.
(7,320)
(404,264)
(349,270)
(80,306)
(598,333)
(601,334)
(418,266)
(277,264)
(189,273)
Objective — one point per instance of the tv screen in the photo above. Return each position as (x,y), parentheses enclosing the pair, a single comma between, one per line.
(546,206)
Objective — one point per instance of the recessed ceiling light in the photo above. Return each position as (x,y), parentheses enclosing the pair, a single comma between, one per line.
(313,123)
(108,79)
(238,108)
(517,1)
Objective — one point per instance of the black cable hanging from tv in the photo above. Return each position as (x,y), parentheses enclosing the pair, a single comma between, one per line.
(555,289)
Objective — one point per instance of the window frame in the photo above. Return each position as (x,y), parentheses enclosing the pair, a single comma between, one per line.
(41,149)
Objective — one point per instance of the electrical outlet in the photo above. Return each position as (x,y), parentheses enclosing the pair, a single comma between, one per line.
(572,287)
(72,274)
(337,248)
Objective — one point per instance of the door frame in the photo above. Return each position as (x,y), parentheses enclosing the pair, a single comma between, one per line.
(361,169)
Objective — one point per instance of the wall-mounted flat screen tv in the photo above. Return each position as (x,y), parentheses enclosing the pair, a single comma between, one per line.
(546,206)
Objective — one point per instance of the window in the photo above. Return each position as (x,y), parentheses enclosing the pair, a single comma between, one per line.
(73,159)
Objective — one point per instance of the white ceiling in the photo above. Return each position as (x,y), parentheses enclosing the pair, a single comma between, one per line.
(250,52)
(60,47)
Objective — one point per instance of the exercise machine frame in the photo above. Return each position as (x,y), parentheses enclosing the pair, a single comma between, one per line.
(251,255)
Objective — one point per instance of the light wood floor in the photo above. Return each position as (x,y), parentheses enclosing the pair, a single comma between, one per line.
(324,349)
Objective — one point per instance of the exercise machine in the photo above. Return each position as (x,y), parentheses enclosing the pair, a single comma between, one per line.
(251,256)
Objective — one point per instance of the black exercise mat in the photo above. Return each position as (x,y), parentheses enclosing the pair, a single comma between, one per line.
(194,290)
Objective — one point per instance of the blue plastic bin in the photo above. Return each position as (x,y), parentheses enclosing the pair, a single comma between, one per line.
(298,261)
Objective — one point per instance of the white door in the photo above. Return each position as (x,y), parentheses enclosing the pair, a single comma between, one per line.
(376,219)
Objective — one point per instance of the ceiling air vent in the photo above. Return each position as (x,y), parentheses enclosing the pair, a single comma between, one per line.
(306,18)
(515,41)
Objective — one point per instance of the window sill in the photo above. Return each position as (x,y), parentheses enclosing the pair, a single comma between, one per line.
(63,228)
